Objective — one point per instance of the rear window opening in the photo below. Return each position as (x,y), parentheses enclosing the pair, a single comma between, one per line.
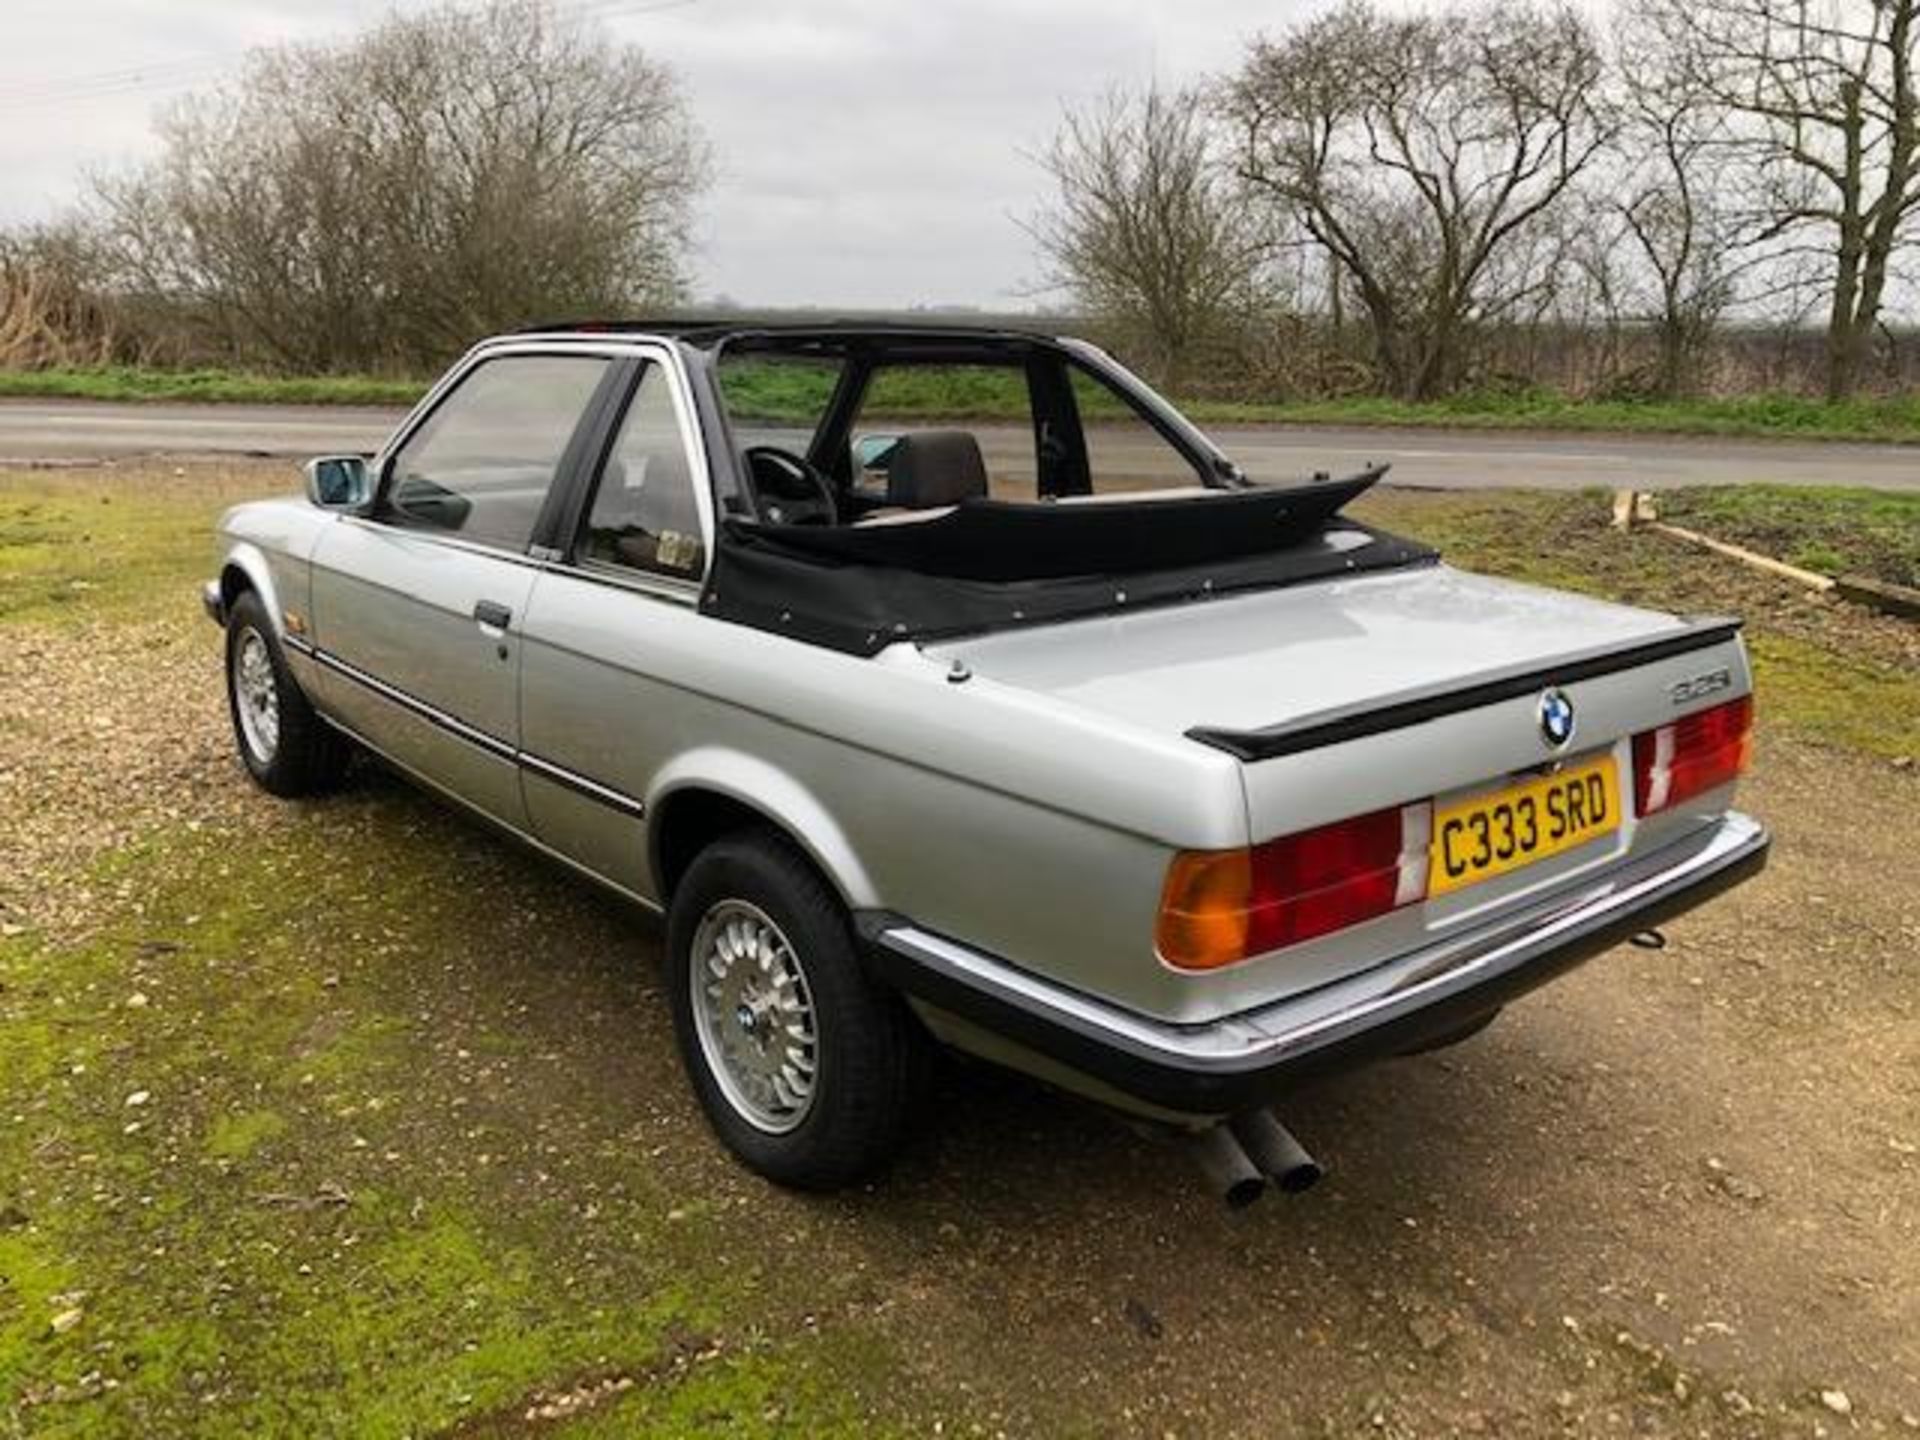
(921,484)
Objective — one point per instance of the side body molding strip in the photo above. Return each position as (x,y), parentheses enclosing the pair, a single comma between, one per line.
(453,725)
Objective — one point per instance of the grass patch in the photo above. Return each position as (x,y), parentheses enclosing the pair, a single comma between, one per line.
(1829,530)
(293,1232)
(86,544)
(234,1137)
(1838,698)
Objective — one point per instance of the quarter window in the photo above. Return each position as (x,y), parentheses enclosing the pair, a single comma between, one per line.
(481,464)
(645,515)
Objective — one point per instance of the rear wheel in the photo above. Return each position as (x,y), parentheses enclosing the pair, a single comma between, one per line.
(808,1071)
(284,744)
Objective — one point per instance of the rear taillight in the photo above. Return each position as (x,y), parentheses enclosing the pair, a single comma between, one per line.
(1220,906)
(1691,756)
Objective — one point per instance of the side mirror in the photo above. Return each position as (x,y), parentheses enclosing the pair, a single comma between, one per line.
(871,452)
(339,482)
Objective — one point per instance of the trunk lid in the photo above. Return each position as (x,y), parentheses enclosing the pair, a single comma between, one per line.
(1264,659)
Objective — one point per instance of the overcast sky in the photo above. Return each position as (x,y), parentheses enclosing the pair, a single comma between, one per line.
(869,152)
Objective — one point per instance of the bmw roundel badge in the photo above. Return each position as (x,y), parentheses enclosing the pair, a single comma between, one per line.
(1556,718)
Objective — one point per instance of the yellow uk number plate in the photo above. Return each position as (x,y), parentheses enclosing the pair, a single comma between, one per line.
(1495,833)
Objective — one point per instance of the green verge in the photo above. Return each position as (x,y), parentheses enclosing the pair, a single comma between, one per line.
(82,545)
(308,1183)
(121,382)
(792,394)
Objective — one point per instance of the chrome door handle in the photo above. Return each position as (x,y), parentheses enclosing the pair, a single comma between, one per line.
(492,615)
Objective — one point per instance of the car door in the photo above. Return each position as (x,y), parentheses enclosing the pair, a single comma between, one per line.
(418,607)
(611,623)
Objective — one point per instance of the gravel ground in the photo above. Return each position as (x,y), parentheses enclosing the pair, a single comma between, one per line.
(1673,1194)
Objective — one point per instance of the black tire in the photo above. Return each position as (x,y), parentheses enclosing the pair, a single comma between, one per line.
(307,755)
(872,1059)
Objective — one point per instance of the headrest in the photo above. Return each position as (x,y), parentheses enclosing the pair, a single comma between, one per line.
(935,467)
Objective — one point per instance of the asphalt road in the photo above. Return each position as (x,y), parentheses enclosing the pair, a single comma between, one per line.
(1450,459)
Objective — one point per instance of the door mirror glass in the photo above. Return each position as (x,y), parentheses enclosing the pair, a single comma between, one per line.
(871,452)
(339,482)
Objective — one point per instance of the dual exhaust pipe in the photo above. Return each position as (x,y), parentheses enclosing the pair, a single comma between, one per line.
(1242,1156)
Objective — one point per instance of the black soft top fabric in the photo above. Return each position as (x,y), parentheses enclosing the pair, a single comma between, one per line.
(991,565)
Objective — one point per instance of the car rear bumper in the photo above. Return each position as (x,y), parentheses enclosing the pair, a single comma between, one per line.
(1244,1060)
(212,602)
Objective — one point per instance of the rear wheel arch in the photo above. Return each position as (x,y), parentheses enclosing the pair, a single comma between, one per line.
(692,816)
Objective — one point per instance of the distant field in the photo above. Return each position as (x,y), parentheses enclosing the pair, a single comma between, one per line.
(795,393)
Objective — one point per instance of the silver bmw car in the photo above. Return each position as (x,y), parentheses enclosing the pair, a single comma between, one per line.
(1063,745)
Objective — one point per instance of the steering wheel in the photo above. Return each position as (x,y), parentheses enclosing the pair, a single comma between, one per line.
(789,491)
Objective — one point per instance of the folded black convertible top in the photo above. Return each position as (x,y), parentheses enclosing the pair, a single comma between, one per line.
(992,564)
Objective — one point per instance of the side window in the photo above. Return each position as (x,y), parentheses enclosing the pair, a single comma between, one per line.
(644,514)
(1124,452)
(481,464)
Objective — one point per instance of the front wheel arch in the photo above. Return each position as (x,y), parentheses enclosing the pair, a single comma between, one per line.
(234,582)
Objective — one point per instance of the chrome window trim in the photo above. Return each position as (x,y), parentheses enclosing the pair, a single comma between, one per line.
(692,440)
(692,444)
(438,537)
(643,582)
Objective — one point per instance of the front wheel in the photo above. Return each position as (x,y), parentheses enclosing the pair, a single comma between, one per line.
(808,1071)
(284,744)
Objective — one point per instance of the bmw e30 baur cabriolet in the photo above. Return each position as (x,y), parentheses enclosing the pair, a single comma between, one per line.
(1058,742)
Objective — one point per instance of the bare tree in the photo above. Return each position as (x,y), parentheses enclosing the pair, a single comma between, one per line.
(1417,150)
(383,201)
(1671,190)
(1144,231)
(1823,96)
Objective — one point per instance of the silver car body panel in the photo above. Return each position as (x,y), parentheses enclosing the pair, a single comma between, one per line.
(1028,814)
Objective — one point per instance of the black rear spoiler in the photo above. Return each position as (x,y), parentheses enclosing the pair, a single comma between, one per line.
(1430,702)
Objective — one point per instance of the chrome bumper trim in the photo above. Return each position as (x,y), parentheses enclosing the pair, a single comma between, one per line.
(1292,1032)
